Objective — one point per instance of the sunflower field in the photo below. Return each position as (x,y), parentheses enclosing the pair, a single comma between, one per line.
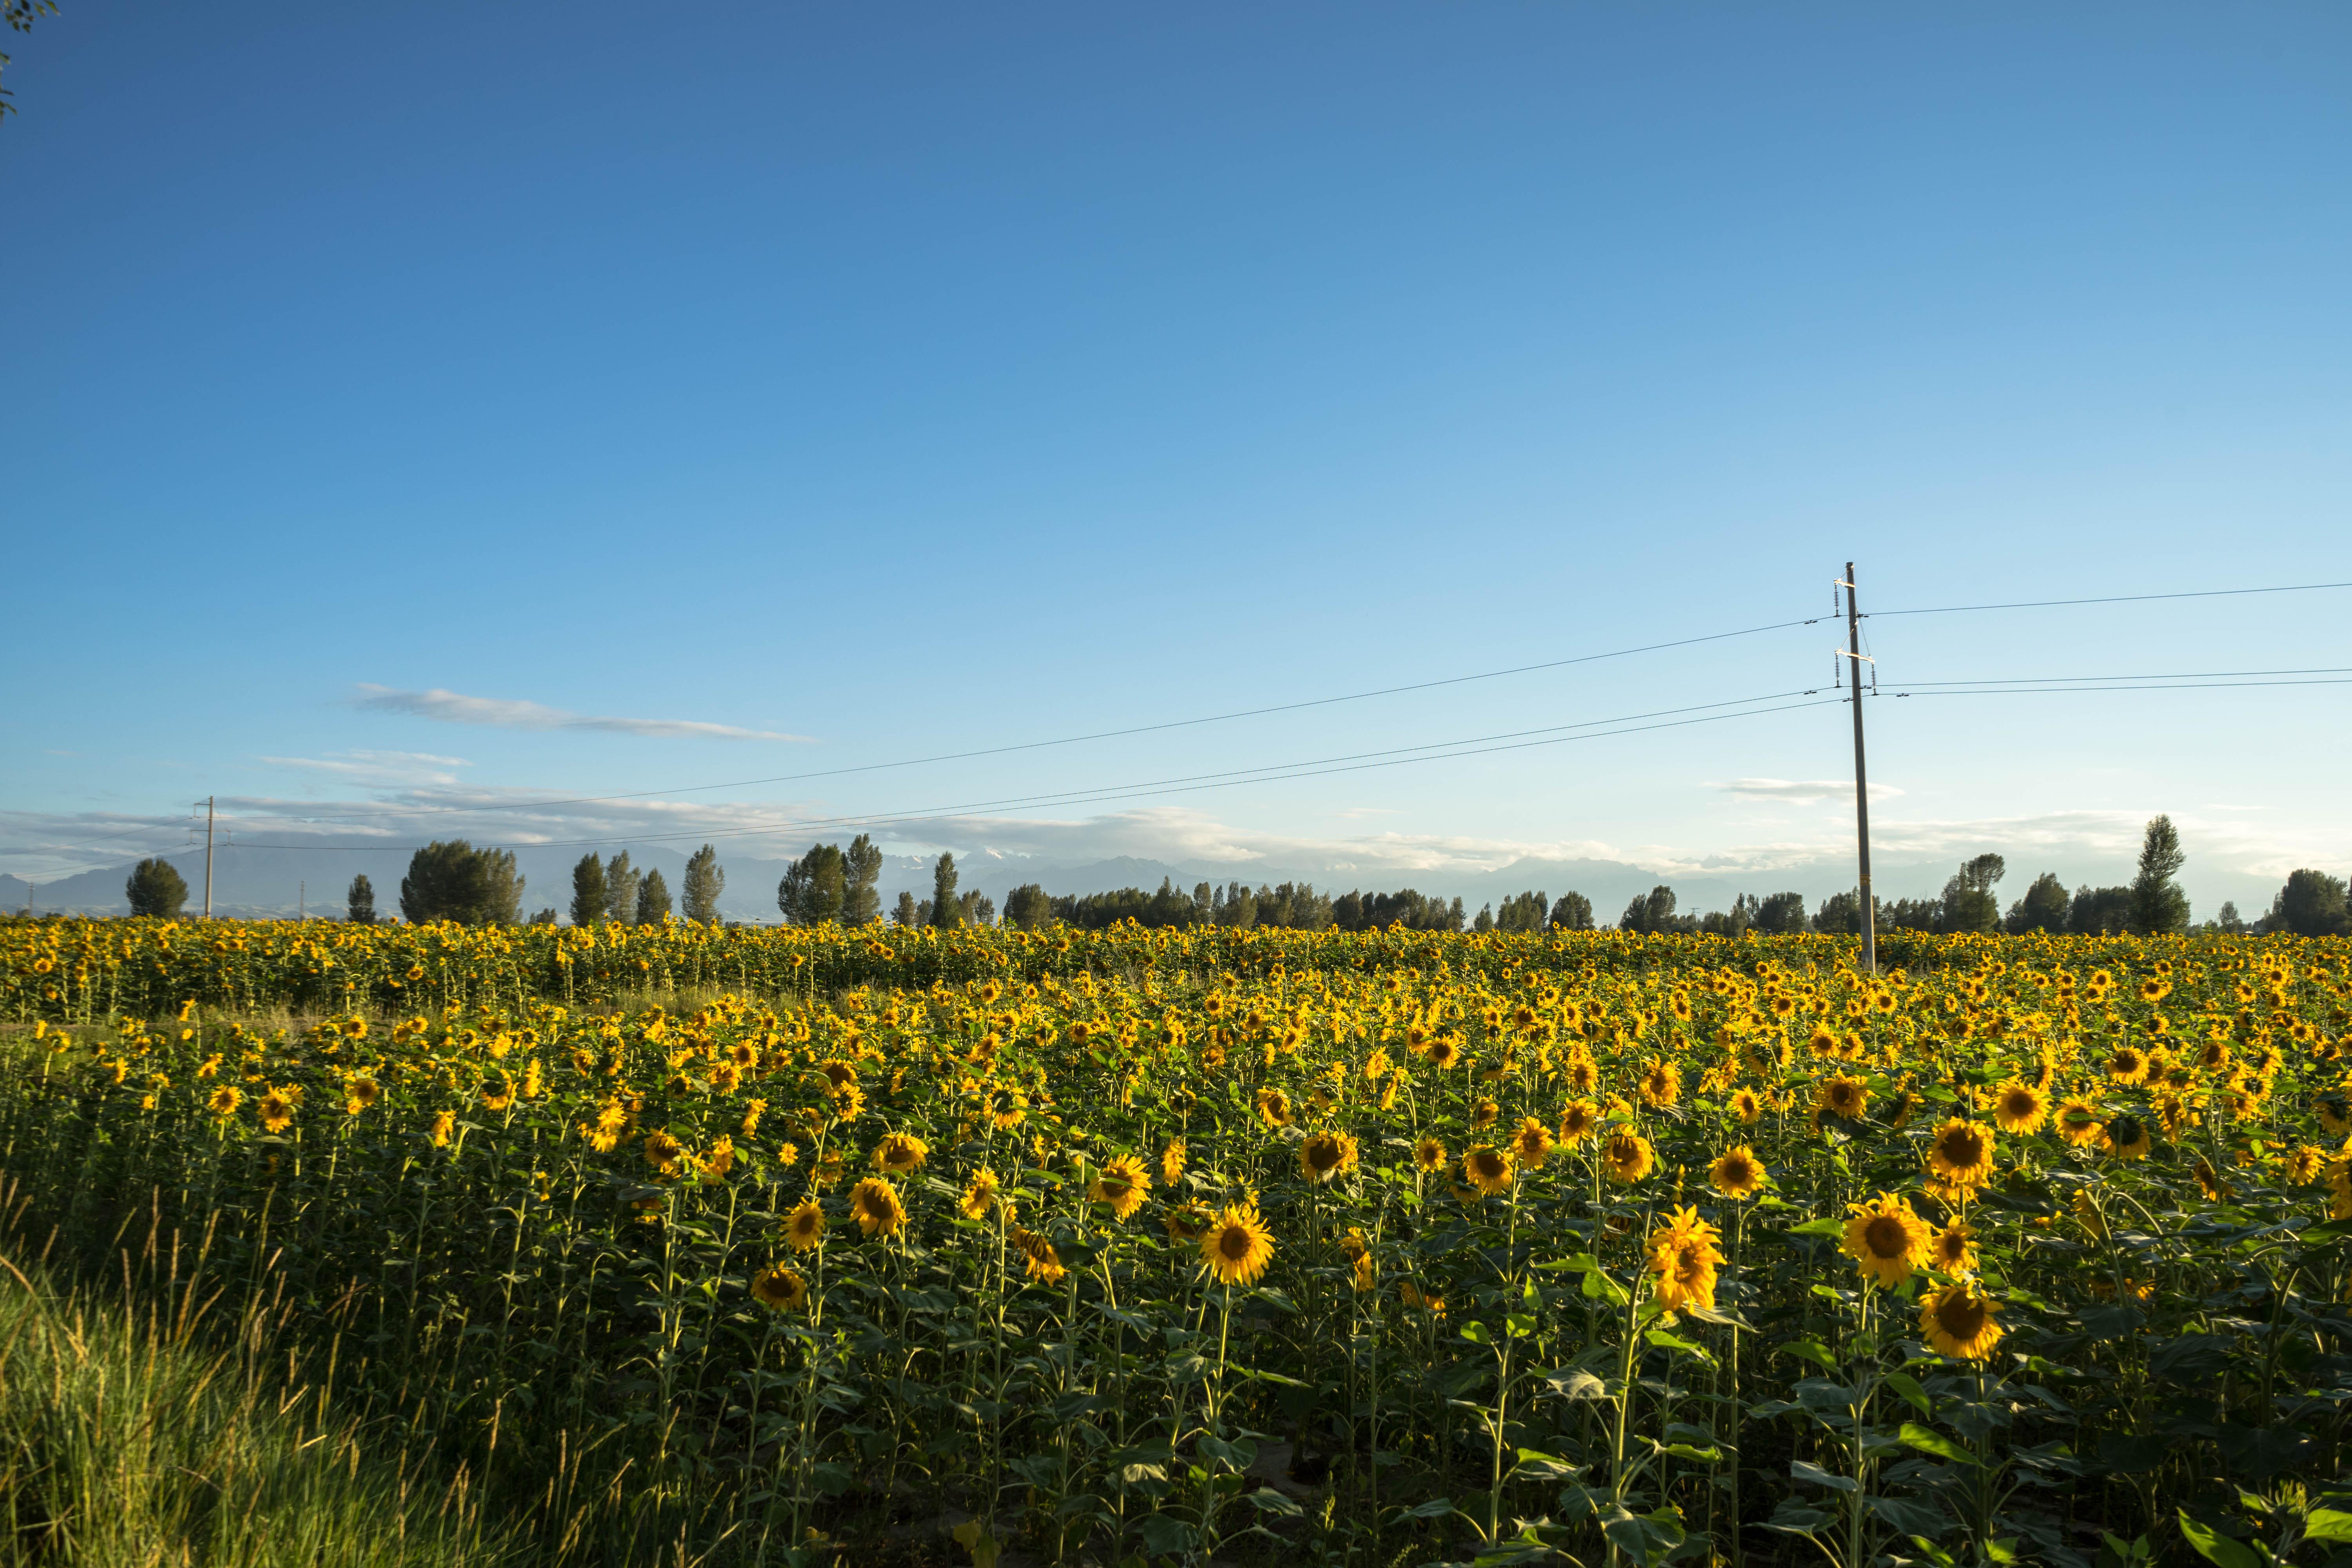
(685,1245)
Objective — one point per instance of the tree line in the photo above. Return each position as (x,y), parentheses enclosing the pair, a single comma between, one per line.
(453,881)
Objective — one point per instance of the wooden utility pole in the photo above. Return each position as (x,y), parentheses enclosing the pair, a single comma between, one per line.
(1861,775)
(209,857)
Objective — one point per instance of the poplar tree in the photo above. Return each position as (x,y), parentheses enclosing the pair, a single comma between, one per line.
(946,911)
(653,899)
(705,880)
(358,904)
(620,889)
(588,899)
(2158,904)
(861,869)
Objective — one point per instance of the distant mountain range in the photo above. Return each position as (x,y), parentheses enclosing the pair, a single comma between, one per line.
(279,883)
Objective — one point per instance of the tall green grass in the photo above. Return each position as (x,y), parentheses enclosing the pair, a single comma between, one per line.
(130,1437)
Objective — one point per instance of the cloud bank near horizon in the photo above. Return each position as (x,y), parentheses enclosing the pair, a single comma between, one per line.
(507,713)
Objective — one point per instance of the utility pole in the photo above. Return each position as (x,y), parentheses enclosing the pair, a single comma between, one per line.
(302,901)
(1861,775)
(209,857)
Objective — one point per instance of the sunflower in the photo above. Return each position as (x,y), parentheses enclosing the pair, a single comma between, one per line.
(900,1153)
(277,1108)
(1488,1169)
(2126,1137)
(1327,1155)
(1237,1246)
(1738,1173)
(1429,1154)
(1531,1143)
(1961,1152)
(1171,1162)
(1683,1257)
(1275,1106)
(223,1101)
(1044,1262)
(2335,1114)
(445,1123)
(1415,1296)
(981,1194)
(359,1094)
(1483,1114)
(2087,1210)
(1661,1082)
(1954,1249)
(2077,1121)
(499,1094)
(805,1226)
(1628,1155)
(1582,1073)
(1577,1122)
(2209,1183)
(2018,1108)
(779,1288)
(1185,1224)
(1957,1320)
(1746,1106)
(1843,1095)
(2128,1064)
(1886,1240)
(875,1203)
(1122,1183)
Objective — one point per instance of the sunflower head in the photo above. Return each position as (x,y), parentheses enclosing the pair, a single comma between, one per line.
(900,1153)
(1684,1256)
(1661,1082)
(1961,1152)
(2018,1108)
(1327,1155)
(805,1226)
(2078,1122)
(1429,1154)
(1843,1095)
(1122,1183)
(981,1194)
(1738,1173)
(1577,1122)
(1628,1155)
(1488,1169)
(1959,1321)
(1747,1106)
(1532,1144)
(779,1288)
(1954,1250)
(1171,1162)
(1886,1240)
(1236,1247)
(2126,1137)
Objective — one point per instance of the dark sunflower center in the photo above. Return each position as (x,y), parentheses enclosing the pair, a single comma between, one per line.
(1962,1316)
(1235,1244)
(1963,1148)
(1884,1237)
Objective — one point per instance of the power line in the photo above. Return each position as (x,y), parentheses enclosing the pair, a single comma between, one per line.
(2116,599)
(1074,740)
(2066,691)
(2162,675)
(1270,773)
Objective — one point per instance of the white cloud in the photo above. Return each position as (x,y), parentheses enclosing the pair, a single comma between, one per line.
(1799,792)
(455,708)
(380,768)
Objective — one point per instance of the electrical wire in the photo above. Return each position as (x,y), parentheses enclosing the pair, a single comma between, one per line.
(1270,773)
(2109,599)
(1075,739)
(2063,690)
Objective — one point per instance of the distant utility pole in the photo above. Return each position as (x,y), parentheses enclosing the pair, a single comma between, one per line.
(209,857)
(1861,772)
(302,901)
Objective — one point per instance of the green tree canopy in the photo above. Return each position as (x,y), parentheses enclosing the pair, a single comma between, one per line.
(814,886)
(861,870)
(1571,911)
(621,889)
(2313,903)
(2043,908)
(358,903)
(2158,904)
(1782,914)
(452,880)
(705,880)
(653,899)
(1968,904)
(906,912)
(1025,905)
(946,910)
(157,888)
(588,899)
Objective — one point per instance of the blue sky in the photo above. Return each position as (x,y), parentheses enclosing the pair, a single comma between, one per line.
(923,378)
